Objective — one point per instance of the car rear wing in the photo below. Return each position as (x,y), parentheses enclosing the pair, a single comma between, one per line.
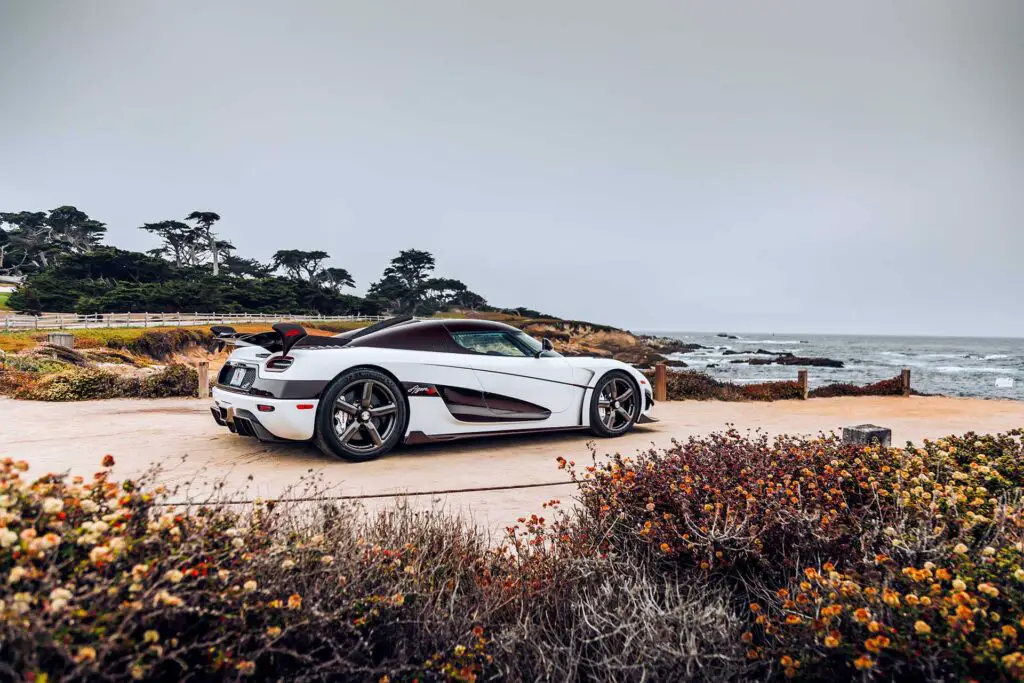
(283,338)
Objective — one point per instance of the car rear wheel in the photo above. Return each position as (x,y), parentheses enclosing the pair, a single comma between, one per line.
(362,416)
(615,405)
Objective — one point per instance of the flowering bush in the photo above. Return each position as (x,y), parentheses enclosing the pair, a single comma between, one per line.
(899,561)
(721,558)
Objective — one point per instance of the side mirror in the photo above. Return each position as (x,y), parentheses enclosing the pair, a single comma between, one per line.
(546,344)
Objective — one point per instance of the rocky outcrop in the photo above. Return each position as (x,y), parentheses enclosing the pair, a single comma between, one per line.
(790,359)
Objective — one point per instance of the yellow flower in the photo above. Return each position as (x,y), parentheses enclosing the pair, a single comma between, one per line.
(460,650)
(1009,631)
(960,549)
(1019,574)
(150,636)
(988,589)
(922,628)
(249,586)
(959,585)
(294,601)
(995,644)
(174,576)
(246,668)
(274,631)
(85,654)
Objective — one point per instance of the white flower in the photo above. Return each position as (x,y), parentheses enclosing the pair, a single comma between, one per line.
(52,506)
(7,538)
(58,605)
(223,574)
(60,594)
(6,501)
(99,554)
(89,506)
(249,586)
(15,575)
(238,543)
(174,576)
(327,559)
(287,564)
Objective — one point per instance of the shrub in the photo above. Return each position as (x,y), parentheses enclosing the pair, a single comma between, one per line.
(83,384)
(162,344)
(904,562)
(693,384)
(721,558)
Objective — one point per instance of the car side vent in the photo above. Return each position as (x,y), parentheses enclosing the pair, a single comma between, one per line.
(279,364)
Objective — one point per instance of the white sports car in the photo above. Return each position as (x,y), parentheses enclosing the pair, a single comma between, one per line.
(359,393)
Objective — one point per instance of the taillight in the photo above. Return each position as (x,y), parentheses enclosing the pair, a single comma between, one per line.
(279,364)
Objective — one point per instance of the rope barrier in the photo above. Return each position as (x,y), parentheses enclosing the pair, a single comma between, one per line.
(365,496)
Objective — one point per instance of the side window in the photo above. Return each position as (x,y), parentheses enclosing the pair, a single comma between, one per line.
(488,343)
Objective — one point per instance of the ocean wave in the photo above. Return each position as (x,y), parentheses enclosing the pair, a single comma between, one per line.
(767,341)
(958,369)
(996,356)
(892,353)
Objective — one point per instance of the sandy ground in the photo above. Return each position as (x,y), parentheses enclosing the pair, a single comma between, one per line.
(181,436)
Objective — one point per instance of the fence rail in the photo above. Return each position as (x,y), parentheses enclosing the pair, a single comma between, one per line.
(70,321)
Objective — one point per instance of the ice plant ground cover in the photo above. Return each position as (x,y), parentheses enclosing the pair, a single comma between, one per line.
(721,558)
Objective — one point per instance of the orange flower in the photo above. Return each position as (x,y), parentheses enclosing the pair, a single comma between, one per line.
(876,644)
(863,615)
(793,619)
(754,607)
(108,460)
(831,641)
(863,663)
(294,601)
(922,628)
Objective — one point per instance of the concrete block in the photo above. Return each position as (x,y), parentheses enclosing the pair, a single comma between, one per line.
(866,435)
(65,339)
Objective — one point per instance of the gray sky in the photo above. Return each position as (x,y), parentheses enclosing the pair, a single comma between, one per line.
(773,166)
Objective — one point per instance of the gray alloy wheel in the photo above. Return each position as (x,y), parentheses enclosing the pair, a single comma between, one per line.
(362,415)
(615,405)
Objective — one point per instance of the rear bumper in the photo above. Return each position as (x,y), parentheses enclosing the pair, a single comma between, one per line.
(278,420)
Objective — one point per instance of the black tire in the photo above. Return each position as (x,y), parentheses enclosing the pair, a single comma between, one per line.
(348,427)
(610,394)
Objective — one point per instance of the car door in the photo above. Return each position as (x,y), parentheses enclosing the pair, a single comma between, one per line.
(517,385)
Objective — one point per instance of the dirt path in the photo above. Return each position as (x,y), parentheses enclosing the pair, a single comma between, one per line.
(75,436)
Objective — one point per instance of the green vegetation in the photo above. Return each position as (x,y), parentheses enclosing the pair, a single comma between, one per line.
(70,270)
(4,296)
(721,558)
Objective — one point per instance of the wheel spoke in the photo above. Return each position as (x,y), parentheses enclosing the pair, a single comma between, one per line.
(346,407)
(349,432)
(604,402)
(609,419)
(624,395)
(374,434)
(625,416)
(383,410)
(367,394)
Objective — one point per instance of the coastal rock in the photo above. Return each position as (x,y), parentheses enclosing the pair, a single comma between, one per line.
(676,364)
(813,362)
(723,335)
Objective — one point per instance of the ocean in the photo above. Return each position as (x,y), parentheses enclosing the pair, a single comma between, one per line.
(952,366)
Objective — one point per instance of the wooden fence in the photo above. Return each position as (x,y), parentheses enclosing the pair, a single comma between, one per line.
(70,321)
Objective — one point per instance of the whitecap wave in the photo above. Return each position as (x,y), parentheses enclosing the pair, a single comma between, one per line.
(996,356)
(958,369)
(767,341)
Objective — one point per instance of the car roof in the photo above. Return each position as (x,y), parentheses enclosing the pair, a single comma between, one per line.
(429,335)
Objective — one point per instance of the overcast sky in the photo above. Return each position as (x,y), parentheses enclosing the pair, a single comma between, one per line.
(723,166)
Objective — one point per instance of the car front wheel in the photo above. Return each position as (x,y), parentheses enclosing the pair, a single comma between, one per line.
(615,405)
(362,416)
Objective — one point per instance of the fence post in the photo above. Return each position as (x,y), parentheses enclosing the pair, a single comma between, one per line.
(204,379)
(660,382)
(801,378)
(905,381)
